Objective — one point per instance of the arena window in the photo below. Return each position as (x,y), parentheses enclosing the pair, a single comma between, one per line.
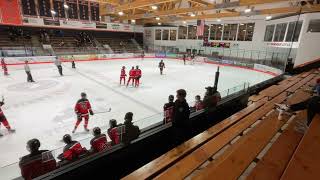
(269,33)
(192,32)
(165,34)
(158,34)
(314,25)
(173,35)
(280,32)
(290,33)
(182,32)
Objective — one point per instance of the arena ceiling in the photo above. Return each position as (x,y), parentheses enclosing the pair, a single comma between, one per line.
(168,11)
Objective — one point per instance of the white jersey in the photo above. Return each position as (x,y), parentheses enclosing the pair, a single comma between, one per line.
(26,68)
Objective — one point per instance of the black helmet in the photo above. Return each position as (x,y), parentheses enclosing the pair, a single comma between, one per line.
(83,94)
(33,145)
(96,131)
(67,138)
(171,98)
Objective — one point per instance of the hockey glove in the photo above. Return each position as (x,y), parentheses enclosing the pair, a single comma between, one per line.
(91,112)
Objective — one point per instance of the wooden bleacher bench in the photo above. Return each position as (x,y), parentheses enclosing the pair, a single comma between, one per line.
(300,83)
(161,163)
(274,162)
(237,158)
(191,162)
(305,163)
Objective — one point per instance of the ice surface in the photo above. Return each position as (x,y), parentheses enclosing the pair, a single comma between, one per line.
(44,109)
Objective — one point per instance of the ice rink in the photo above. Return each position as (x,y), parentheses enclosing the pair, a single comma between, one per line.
(44,109)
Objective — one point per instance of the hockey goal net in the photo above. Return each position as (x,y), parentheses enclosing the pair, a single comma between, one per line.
(199,60)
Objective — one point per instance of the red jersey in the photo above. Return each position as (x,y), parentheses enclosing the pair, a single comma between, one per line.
(114,135)
(82,107)
(99,143)
(73,150)
(168,111)
(1,112)
(132,73)
(138,72)
(123,73)
(198,105)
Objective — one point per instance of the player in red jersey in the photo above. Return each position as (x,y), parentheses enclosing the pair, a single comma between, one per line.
(4,67)
(99,142)
(123,75)
(82,109)
(138,76)
(3,119)
(132,75)
(73,149)
(168,110)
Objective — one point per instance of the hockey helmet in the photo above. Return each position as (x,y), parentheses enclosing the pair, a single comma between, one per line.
(96,131)
(67,138)
(83,94)
(33,145)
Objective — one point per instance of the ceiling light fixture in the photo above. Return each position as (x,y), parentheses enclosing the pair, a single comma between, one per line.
(159,24)
(268,17)
(53,12)
(154,7)
(157,18)
(66,6)
(120,13)
(247,10)
(133,20)
(192,15)
(219,20)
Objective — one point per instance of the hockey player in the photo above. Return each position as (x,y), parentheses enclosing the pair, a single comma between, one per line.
(99,142)
(82,109)
(73,149)
(3,119)
(184,59)
(72,63)
(132,75)
(161,66)
(142,55)
(57,62)
(138,74)
(123,75)
(38,162)
(28,72)
(168,109)
(4,67)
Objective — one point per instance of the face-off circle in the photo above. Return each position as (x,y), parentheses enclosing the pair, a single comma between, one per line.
(38,86)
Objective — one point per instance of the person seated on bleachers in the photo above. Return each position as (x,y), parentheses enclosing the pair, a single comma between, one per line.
(132,132)
(312,105)
(211,99)
(315,88)
(113,132)
(72,151)
(38,162)
(99,142)
(198,104)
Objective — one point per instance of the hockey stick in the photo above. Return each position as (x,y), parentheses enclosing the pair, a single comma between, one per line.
(101,112)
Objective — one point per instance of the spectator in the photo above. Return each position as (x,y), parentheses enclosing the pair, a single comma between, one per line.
(131,131)
(198,104)
(99,142)
(38,162)
(312,105)
(316,88)
(72,151)
(211,99)
(113,132)
(28,71)
(180,117)
(168,110)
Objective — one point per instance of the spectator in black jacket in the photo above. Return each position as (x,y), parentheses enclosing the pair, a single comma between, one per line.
(180,117)
(131,131)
